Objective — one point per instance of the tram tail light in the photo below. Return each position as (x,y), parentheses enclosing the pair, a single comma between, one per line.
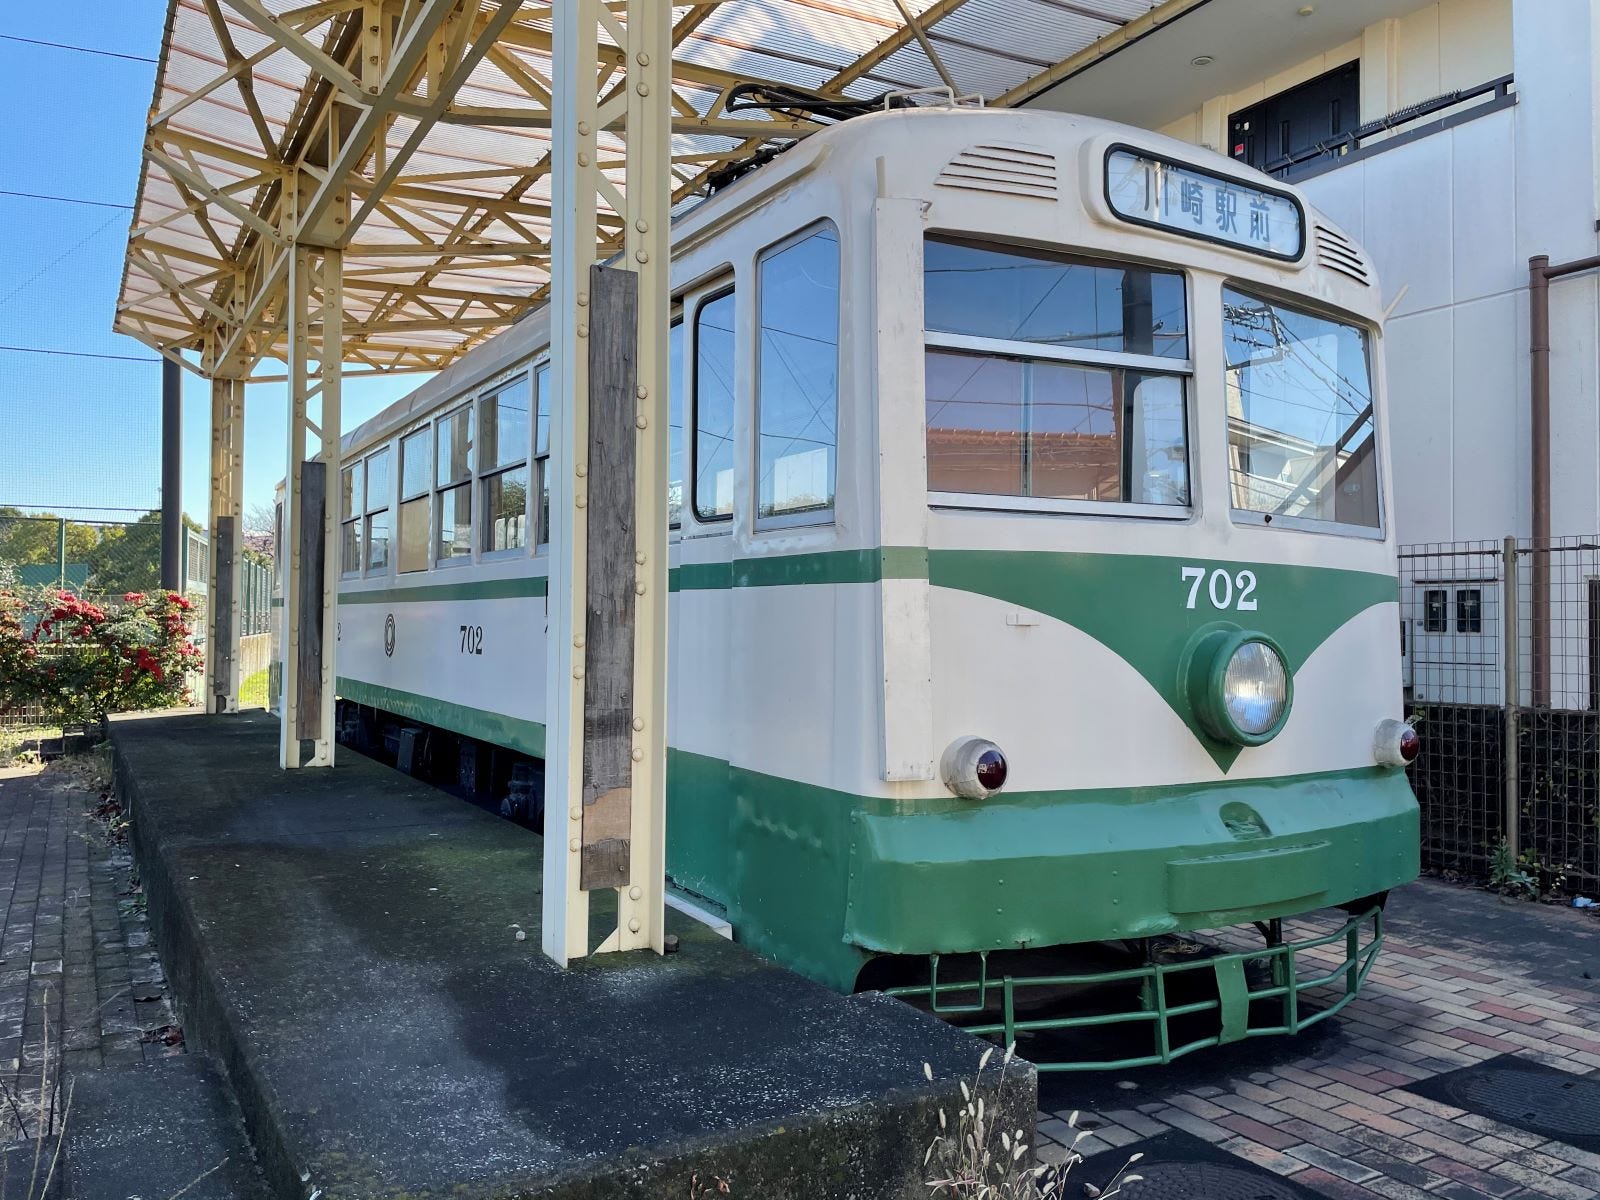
(1395,744)
(973,767)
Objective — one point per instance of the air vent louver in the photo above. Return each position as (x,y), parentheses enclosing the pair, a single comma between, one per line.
(1339,253)
(1008,170)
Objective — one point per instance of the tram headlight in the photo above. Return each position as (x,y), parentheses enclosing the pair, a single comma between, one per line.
(1240,686)
(973,767)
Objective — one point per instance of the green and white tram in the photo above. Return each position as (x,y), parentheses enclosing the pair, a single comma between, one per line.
(1033,584)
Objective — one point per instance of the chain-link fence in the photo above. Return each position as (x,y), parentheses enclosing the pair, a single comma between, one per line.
(1501,644)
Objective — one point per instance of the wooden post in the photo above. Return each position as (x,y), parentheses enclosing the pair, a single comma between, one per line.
(608,634)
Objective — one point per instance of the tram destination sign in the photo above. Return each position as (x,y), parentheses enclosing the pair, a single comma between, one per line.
(1148,190)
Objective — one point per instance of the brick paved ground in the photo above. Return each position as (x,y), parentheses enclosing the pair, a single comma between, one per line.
(77,973)
(1464,977)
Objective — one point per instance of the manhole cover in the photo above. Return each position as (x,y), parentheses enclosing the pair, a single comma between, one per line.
(1525,1095)
(1563,1106)
(1180,1166)
(1210,1181)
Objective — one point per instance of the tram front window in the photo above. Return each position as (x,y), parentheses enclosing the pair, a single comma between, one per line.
(1053,381)
(1301,442)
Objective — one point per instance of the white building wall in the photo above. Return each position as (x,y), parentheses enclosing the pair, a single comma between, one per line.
(1450,221)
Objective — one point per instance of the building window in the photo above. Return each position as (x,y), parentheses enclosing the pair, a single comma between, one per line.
(453,440)
(1301,441)
(379,497)
(1469,610)
(675,424)
(1433,611)
(504,439)
(1282,126)
(416,479)
(713,408)
(797,377)
(1054,378)
(351,505)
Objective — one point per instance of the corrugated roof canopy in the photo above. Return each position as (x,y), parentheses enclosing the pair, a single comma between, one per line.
(435,115)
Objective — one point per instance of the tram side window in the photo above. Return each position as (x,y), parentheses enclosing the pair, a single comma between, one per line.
(379,497)
(797,377)
(675,424)
(541,452)
(713,408)
(416,481)
(504,439)
(453,435)
(1469,610)
(351,505)
(1054,378)
(1301,440)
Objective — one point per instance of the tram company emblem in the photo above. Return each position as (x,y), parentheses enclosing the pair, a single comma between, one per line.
(388,635)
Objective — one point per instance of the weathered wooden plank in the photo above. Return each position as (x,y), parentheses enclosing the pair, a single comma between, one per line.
(222,599)
(313,507)
(609,579)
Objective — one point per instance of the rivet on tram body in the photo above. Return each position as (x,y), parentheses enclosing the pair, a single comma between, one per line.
(635,892)
(583,331)
(577,812)
(644,59)
(580,501)
(642,392)
(638,754)
(641,421)
(642,225)
(638,724)
(583,128)
(633,924)
(583,299)
(643,89)
(578,641)
(643,256)
(638,589)
(583,160)
(577,673)
(639,558)
(573,845)
(581,470)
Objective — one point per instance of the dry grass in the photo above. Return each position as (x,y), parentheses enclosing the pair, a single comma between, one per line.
(980,1160)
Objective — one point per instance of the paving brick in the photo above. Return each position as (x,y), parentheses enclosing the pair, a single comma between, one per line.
(1255,1131)
(1264,1156)
(1333,1163)
(1481,1181)
(1540,1184)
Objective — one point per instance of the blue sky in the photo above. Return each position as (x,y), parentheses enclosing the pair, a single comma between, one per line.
(85,432)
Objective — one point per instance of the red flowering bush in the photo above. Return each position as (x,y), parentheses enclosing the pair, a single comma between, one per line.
(79,661)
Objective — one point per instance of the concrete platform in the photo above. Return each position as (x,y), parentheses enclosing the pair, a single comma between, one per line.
(344,942)
(157,1130)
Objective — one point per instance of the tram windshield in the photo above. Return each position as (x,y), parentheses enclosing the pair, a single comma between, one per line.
(1052,380)
(1301,442)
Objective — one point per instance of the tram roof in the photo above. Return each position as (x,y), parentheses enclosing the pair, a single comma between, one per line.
(447,241)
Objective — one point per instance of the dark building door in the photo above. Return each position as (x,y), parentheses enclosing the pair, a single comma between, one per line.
(1297,119)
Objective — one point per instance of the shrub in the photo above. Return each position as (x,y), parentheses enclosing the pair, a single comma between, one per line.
(79,661)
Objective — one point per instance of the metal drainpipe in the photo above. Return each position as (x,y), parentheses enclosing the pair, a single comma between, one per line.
(1540,273)
(1539,414)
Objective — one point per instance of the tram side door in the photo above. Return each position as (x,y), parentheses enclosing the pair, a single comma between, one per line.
(1452,641)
